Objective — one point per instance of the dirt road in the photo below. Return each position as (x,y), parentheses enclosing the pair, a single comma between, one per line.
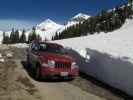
(16,84)
(59,90)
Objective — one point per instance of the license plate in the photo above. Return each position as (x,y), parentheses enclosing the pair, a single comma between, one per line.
(64,73)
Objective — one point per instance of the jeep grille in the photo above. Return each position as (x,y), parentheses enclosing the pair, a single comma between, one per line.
(65,65)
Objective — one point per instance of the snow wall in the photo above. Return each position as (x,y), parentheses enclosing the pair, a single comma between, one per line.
(116,72)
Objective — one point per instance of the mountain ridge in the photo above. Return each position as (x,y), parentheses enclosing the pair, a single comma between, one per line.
(48,28)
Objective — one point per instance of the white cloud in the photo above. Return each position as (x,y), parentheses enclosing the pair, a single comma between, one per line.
(8,24)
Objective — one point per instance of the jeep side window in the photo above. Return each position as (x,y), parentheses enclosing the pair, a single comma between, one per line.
(43,47)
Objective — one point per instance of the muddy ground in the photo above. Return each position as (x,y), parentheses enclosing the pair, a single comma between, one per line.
(16,83)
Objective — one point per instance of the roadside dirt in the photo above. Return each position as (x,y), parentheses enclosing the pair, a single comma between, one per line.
(14,84)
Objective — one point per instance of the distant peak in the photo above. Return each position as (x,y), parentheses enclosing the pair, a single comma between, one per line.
(79,14)
(80,17)
(48,21)
(47,25)
(85,16)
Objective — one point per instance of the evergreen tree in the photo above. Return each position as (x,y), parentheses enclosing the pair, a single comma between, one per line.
(16,36)
(52,37)
(56,36)
(38,37)
(32,36)
(45,39)
(12,36)
(130,2)
(23,37)
(5,38)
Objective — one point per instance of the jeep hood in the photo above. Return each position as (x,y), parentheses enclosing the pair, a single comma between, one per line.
(55,57)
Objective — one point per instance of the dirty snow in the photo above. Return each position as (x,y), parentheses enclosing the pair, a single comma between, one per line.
(20,45)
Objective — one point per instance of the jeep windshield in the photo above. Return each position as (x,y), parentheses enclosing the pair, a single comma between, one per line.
(53,48)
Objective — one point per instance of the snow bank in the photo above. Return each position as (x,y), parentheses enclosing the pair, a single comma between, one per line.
(113,71)
(110,56)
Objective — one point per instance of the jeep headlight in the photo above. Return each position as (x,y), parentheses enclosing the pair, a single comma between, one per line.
(74,65)
(51,63)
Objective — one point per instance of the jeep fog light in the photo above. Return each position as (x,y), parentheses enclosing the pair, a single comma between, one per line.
(74,65)
(44,65)
(51,63)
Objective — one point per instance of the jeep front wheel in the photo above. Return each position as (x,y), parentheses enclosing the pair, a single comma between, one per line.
(37,73)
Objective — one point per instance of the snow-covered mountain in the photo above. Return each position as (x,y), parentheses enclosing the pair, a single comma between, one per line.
(46,29)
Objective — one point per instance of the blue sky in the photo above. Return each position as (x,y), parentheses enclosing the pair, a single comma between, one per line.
(27,13)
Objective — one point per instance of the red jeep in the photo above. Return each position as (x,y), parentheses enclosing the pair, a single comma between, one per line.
(50,59)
